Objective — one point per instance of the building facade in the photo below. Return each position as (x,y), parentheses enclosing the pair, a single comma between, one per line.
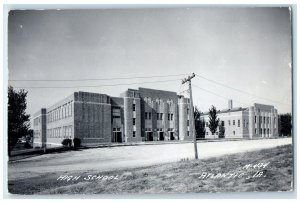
(136,116)
(257,121)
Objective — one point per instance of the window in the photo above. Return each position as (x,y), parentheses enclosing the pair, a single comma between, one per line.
(146,115)
(233,132)
(228,122)
(206,124)
(157,116)
(188,133)
(222,123)
(133,107)
(233,122)
(171,116)
(255,131)
(116,113)
(133,134)
(245,123)
(65,110)
(150,116)
(188,123)
(187,111)
(133,121)
(161,116)
(206,133)
(239,123)
(168,116)
(264,119)
(255,119)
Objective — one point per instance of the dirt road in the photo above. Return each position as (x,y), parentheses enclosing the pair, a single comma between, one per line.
(104,159)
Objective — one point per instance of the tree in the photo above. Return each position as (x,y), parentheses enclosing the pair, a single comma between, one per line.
(213,120)
(221,131)
(199,124)
(18,120)
(285,124)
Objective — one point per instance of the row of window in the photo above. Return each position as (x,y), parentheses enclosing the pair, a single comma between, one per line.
(61,112)
(262,131)
(116,129)
(264,119)
(158,129)
(60,132)
(148,115)
(229,123)
(158,100)
(217,133)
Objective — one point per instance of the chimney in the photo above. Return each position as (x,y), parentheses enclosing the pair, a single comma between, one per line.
(230,104)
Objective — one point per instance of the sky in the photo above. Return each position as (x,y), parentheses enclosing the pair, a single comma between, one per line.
(248,50)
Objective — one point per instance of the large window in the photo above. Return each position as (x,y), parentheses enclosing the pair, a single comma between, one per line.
(133,107)
(116,113)
(133,121)
(133,134)
(239,123)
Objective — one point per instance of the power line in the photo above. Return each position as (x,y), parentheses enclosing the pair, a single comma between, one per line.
(218,95)
(238,90)
(91,79)
(105,85)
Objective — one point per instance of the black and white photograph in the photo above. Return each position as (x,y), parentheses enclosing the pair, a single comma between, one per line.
(150,100)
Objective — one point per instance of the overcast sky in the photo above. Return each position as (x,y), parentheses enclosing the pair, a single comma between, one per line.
(245,48)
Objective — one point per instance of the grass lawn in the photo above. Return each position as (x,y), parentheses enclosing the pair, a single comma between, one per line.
(264,170)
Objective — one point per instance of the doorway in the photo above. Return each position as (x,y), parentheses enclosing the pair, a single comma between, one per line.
(161,136)
(149,136)
(172,136)
(117,136)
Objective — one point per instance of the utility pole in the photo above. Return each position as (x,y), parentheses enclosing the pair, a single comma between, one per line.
(188,79)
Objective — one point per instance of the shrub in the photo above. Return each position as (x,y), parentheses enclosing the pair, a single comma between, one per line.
(77,142)
(67,142)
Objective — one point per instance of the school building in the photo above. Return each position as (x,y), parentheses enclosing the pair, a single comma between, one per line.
(138,115)
(257,121)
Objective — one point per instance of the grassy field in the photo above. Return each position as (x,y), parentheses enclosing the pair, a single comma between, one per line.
(264,170)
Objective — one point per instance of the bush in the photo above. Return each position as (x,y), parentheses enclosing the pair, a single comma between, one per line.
(67,142)
(77,142)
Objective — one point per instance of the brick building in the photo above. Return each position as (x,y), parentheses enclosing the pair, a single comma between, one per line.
(257,121)
(136,116)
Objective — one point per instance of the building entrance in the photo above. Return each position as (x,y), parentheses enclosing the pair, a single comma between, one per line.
(149,136)
(161,136)
(117,136)
(172,136)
